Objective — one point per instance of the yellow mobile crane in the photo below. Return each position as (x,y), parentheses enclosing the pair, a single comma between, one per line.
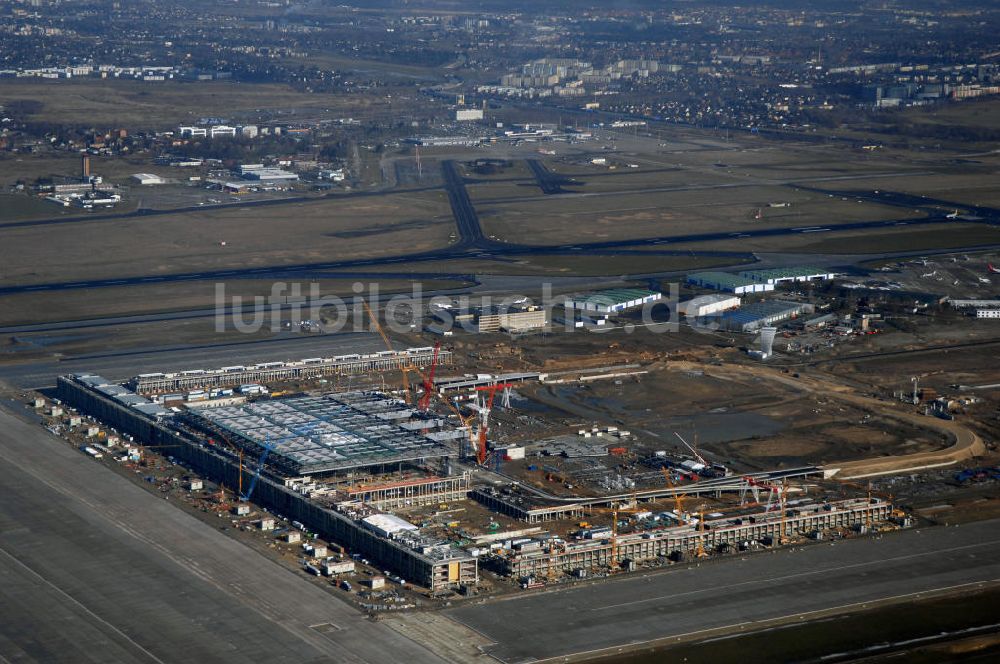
(684,517)
(615,509)
(700,552)
(466,422)
(678,497)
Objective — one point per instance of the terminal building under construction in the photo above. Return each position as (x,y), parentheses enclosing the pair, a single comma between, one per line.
(350,522)
(324,434)
(317,367)
(541,555)
(327,461)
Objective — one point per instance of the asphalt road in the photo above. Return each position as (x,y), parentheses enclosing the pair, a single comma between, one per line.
(469,230)
(547,181)
(737,594)
(95,569)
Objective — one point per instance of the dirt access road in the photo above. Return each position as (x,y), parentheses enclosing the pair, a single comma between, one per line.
(966,444)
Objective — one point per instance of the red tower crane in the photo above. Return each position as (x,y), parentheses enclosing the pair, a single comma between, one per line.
(484,416)
(425,398)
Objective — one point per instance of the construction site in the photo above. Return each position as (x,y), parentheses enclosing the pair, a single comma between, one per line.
(399,484)
(552,465)
(445,479)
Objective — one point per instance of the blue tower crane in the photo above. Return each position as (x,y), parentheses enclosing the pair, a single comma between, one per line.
(268,446)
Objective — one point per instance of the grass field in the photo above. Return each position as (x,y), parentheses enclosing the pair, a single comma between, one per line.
(932,127)
(306,232)
(82,304)
(859,242)
(718,187)
(168,104)
(566,266)
(390,70)
(710,186)
(564,220)
(951,237)
(975,188)
(20,206)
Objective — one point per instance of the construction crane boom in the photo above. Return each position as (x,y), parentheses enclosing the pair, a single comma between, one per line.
(256,476)
(425,398)
(484,412)
(700,553)
(678,497)
(465,420)
(617,509)
(782,538)
(697,456)
(404,368)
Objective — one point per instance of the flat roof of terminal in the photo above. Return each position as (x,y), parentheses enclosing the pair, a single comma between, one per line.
(615,296)
(783,273)
(757,310)
(724,279)
(314,434)
(709,298)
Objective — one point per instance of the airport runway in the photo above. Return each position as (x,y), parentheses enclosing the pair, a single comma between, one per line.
(147,212)
(795,183)
(247,308)
(473,244)
(124,364)
(470,232)
(549,182)
(481,248)
(95,569)
(737,594)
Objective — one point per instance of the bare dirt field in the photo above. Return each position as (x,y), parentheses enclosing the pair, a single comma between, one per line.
(744,414)
(759,424)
